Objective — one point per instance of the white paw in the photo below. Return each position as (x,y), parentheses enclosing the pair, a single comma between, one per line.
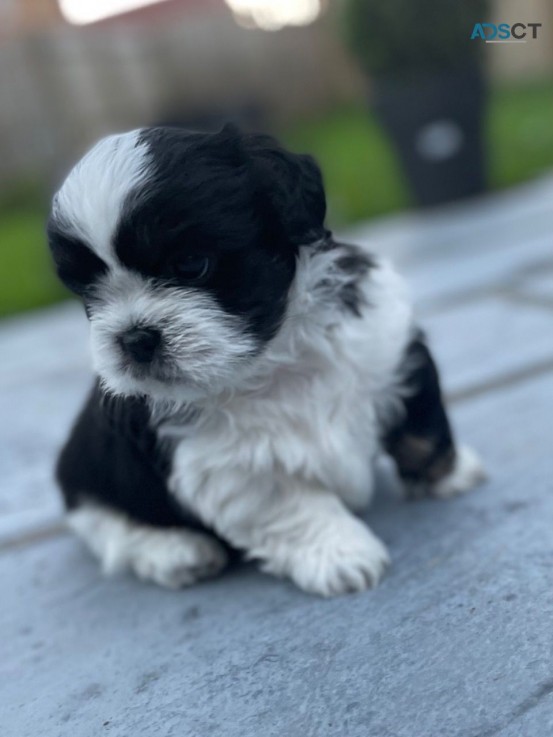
(467,473)
(175,558)
(346,558)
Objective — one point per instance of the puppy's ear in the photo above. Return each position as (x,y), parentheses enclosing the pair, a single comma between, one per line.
(293,186)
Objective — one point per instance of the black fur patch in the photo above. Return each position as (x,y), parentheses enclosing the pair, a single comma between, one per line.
(76,265)
(354,264)
(112,457)
(421,442)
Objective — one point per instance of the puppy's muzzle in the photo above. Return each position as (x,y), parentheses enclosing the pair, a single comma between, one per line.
(140,344)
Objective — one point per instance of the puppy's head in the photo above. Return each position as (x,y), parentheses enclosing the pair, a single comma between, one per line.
(183,247)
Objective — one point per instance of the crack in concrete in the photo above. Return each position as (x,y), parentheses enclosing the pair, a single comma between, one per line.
(509,288)
(517,296)
(529,703)
(31,537)
(503,381)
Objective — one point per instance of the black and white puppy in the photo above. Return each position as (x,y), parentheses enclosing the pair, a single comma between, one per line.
(250,368)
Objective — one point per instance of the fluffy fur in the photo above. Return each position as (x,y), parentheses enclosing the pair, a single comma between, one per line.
(250,368)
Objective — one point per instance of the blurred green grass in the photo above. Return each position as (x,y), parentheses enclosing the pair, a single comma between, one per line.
(27,279)
(361,175)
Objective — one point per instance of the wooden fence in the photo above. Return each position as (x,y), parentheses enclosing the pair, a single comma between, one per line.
(63,89)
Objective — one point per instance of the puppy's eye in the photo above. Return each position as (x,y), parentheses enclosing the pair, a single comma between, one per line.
(192,268)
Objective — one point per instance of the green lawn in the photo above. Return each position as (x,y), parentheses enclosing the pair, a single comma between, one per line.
(26,276)
(361,175)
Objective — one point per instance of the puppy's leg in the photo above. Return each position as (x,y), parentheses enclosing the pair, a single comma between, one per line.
(320,545)
(294,529)
(421,441)
(112,475)
(169,557)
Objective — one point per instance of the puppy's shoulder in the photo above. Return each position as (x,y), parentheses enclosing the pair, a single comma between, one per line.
(381,311)
(369,282)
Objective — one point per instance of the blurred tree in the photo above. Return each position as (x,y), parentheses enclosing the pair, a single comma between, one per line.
(406,39)
(427,88)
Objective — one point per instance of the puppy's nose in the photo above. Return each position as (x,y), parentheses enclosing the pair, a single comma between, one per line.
(140,343)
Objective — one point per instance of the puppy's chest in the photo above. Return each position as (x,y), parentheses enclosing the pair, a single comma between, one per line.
(328,439)
(334,444)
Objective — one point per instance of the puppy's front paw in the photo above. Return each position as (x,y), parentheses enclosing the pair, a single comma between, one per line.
(345,559)
(467,473)
(176,558)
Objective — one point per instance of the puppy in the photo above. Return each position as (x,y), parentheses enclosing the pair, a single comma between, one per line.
(250,368)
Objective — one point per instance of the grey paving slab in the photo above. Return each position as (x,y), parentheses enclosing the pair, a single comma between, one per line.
(437,283)
(49,342)
(539,286)
(489,223)
(44,374)
(35,421)
(457,642)
(484,340)
(510,426)
(467,248)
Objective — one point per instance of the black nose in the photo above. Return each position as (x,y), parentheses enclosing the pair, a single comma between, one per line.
(140,343)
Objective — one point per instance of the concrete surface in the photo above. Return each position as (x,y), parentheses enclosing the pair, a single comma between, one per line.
(458,639)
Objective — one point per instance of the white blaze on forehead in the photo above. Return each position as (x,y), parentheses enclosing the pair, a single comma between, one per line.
(91,199)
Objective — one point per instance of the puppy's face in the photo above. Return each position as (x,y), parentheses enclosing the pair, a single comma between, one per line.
(183,248)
